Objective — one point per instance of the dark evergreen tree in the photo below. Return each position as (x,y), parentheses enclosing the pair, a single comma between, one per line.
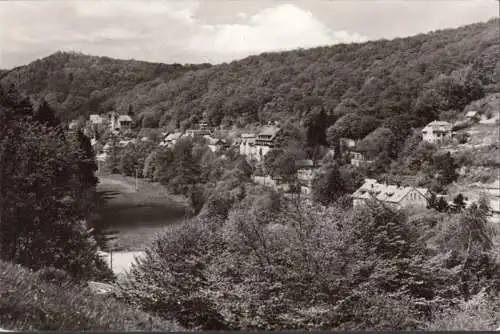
(87,164)
(46,115)
(458,203)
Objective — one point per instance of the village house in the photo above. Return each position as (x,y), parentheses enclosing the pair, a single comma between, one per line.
(214,144)
(203,130)
(347,143)
(472,116)
(271,182)
(119,122)
(265,141)
(394,196)
(305,175)
(124,122)
(198,132)
(171,139)
(96,119)
(247,145)
(437,132)
(359,157)
(256,147)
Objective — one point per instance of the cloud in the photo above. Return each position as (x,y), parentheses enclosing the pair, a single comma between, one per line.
(283,27)
(147,30)
(194,31)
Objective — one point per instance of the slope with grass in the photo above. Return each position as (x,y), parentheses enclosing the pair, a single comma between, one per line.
(37,301)
(137,215)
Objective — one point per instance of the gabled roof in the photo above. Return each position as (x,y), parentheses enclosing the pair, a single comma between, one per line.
(439,125)
(471,113)
(307,163)
(348,142)
(213,141)
(173,136)
(385,193)
(269,130)
(124,118)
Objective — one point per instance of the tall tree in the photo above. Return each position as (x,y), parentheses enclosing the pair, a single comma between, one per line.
(46,115)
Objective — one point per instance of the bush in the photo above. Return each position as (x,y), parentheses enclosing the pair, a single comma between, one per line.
(47,300)
(480,313)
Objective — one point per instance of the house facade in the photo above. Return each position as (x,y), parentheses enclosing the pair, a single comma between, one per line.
(305,175)
(96,119)
(214,144)
(198,132)
(394,196)
(256,147)
(437,132)
(124,122)
(247,145)
(359,158)
(472,116)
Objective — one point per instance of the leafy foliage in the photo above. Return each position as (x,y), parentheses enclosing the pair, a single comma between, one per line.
(46,186)
(48,301)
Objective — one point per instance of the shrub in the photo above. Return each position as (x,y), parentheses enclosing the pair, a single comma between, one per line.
(46,300)
(481,312)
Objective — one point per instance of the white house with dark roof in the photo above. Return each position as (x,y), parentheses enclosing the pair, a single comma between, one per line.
(437,131)
(265,141)
(247,145)
(171,139)
(473,116)
(96,119)
(305,174)
(392,195)
(124,122)
(214,144)
(256,147)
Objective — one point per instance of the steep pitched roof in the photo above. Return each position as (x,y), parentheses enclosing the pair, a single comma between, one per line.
(471,113)
(439,125)
(307,163)
(124,118)
(385,193)
(269,130)
(173,136)
(213,141)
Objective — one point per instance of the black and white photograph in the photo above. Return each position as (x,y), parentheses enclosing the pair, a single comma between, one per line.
(249,165)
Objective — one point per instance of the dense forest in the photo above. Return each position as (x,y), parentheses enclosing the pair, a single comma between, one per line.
(410,76)
(77,84)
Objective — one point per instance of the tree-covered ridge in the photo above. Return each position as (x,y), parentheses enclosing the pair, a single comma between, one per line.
(77,84)
(382,78)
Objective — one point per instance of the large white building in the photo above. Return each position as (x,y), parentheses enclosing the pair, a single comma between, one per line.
(256,147)
(391,195)
(437,132)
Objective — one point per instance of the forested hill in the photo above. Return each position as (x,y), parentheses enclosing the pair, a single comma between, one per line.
(418,76)
(77,84)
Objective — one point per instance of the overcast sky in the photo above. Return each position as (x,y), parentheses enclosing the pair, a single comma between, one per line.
(214,31)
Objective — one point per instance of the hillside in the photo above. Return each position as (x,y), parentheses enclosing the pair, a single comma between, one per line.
(77,84)
(383,78)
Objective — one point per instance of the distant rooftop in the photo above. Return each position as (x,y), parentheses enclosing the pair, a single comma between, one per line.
(383,192)
(269,130)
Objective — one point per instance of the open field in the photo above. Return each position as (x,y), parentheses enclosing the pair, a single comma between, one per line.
(136,215)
